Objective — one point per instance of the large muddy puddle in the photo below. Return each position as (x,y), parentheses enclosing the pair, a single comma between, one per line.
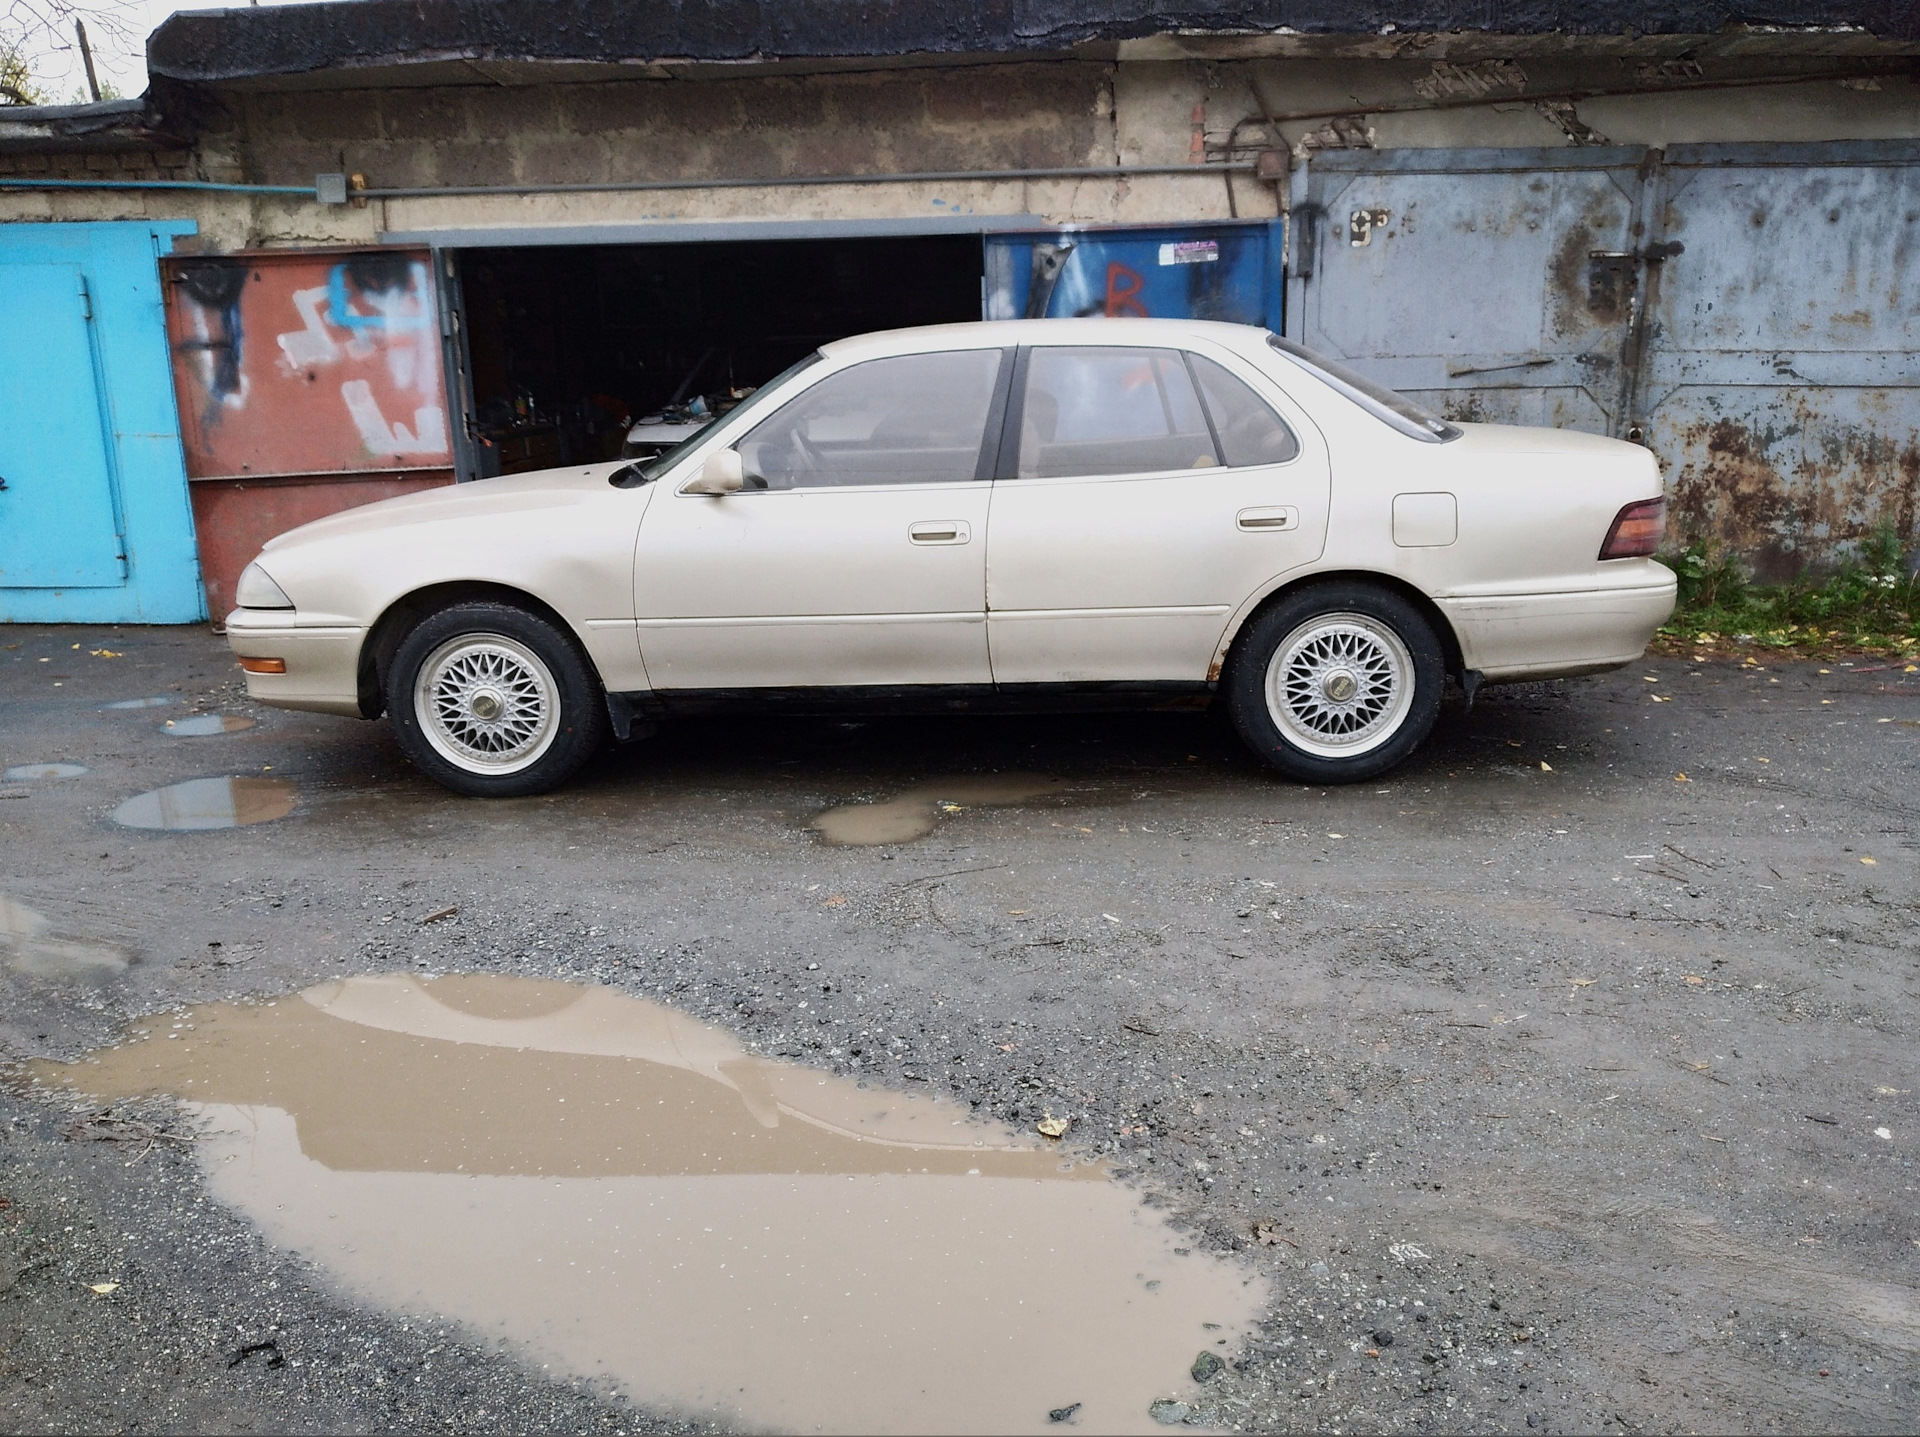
(913,814)
(620,1191)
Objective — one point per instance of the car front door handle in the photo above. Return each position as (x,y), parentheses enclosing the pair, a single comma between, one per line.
(940,531)
(1262,521)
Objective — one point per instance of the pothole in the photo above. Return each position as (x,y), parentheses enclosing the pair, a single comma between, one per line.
(31,946)
(26,772)
(913,814)
(618,1190)
(202,803)
(201,725)
(156,701)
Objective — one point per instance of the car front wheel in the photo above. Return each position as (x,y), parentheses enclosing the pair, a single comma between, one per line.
(1336,683)
(494,701)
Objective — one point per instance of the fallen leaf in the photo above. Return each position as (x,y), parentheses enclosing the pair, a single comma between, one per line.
(1695,979)
(103,1288)
(1583,982)
(1871,862)
(103,653)
(838,900)
(1052,1127)
(1545,767)
(1681,778)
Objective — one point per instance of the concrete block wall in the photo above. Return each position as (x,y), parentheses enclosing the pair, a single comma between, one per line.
(545,128)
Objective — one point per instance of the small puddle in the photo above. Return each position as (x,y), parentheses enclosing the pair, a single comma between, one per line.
(21,772)
(209,803)
(200,725)
(28,941)
(912,814)
(158,701)
(621,1191)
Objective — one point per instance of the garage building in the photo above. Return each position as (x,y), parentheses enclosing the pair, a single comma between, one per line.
(408,244)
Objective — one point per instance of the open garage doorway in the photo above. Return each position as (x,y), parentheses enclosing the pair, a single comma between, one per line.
(578,353)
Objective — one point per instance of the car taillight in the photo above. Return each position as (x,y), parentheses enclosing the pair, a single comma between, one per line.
(1636,531)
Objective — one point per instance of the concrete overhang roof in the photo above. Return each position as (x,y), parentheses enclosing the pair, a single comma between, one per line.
(341,43)
(102,126)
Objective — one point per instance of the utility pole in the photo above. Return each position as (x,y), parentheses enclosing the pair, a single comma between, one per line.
(86,54)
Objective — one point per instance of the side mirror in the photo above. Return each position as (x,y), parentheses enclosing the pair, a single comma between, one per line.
(723,473)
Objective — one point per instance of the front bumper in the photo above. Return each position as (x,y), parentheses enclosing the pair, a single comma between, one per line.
(323,661)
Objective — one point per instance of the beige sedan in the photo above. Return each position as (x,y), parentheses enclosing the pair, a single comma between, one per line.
(1058,513)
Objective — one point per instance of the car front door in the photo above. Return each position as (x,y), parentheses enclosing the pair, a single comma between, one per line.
(856,552)
(1153,492)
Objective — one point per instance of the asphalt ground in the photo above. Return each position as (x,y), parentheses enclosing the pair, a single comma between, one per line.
(1562,1080)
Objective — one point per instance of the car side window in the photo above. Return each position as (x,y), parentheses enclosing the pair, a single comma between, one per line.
(1110,411)
(1245,424)
(911,419)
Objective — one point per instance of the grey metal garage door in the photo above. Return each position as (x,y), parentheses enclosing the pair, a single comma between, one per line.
(1750,311)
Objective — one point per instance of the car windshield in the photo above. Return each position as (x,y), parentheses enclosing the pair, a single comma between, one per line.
(1414,420)
(667,458)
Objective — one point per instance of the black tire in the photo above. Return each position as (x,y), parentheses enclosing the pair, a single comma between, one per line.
(1336,683)
(548,715)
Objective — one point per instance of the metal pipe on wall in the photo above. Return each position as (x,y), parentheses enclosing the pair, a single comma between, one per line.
(1081,172)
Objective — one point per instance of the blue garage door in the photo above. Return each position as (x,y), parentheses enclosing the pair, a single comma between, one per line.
(95,522)
(58,520)
(1227,272)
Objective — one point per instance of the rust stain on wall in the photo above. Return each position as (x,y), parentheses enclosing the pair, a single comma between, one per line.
(1797,490)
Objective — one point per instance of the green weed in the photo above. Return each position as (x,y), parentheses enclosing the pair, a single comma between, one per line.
(1867,602)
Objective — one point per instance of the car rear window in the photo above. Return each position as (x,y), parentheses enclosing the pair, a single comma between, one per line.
(1093,411)
(1248,430)
(1413,420)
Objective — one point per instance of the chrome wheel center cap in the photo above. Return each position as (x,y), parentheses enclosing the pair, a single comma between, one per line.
(486,705)
(1339,686)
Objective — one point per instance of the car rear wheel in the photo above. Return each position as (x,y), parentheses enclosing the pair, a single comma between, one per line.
(494,701)
(1336,683)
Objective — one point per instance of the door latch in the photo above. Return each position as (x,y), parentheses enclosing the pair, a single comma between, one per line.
(1362,223)
(940,531)
(1268,520)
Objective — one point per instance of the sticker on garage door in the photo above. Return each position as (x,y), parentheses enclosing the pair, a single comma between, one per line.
(1190,252)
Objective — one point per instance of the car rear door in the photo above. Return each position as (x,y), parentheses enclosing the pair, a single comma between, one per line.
(1146,494)
(856,555)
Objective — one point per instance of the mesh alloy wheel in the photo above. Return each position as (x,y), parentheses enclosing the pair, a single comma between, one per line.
(487,704)
(1340,685)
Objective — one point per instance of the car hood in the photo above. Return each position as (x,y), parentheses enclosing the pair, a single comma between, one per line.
(515,493)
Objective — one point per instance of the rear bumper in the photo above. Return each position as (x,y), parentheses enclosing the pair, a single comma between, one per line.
(323,663)
(1511,637)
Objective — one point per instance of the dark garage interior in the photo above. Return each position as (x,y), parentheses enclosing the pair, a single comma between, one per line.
(570,345)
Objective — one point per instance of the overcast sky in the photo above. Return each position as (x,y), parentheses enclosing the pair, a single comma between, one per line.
(121,62)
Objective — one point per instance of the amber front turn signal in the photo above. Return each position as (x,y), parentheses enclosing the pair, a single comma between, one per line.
(1637,530)
(264,666)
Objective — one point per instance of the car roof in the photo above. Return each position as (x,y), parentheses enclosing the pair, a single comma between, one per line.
(990,332)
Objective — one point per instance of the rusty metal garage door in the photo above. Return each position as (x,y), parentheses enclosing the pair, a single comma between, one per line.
(1748,311)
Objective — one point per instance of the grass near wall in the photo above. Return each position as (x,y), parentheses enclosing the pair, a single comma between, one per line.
(1870,604)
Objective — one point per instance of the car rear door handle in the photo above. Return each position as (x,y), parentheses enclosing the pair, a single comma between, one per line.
(1264,520)
(940,531)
